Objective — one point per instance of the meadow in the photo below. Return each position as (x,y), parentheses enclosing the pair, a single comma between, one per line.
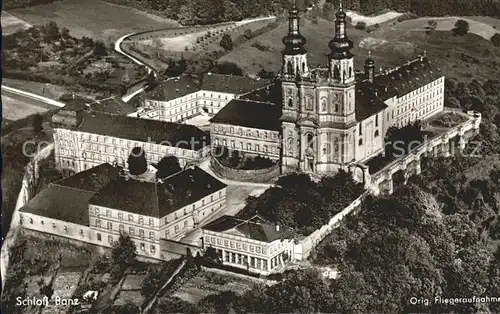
(92,18)
(390,44)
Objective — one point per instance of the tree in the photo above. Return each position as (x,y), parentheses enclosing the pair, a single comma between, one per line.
(361,25)
(266,74)
(65,33)
(100,49)
(37,123)
(226,42)
(496,40)
(461,27)
(123,252)
(227,68)
(167,166)
(137,163)
(51,32)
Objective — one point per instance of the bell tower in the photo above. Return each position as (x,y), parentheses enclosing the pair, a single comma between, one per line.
(341,72)
(294,54)
(294,68)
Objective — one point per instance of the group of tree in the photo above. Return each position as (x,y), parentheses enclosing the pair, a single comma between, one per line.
(302,204)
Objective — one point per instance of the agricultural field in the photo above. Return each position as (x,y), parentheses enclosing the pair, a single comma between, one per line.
(391,43)
(92,18)
(12,24)
(208,283)
(206,39)
(130,291)
(14,108)
(372,20)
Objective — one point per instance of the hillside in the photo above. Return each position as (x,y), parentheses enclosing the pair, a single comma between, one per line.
(91,18)
(390,44)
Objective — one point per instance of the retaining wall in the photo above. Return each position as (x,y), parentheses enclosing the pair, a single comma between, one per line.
(266,175)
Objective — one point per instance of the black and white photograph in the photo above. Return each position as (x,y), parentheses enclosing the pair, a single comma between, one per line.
(250,156)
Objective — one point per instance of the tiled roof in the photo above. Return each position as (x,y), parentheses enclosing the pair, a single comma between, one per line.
(255,228)
(91,179)
(260,115)
(367,103)
(68,199)
(62,203)
(269,93)
(230,83)
(406,78)
(156,199)
(113,106)
(173,88)
(144,130)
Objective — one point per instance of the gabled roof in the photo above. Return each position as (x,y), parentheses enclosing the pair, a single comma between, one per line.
(406,78)
(252,114)
(144,130)
(232,84)
(157,199)
(68,199)
(173,88)
(91,179)
(61,203)
(113,105)
(367,102)
(256,228)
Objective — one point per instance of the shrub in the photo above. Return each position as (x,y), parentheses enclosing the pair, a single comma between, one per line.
(261,46)
(461,28)
(496,39)
(226,42)
(360,25)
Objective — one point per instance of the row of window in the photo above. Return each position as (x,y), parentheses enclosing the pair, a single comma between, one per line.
(121,229)
(256,147)
(120,215)
(236,244)
(249,132)
(54,226)
(142,246)
(422,89)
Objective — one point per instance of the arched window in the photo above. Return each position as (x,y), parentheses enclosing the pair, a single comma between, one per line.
(310,142)
(343,77)
(290,102)
(289,68)
(337,107)
(309,103)
(336,72)
(323,104)
(350,72)
(303,66)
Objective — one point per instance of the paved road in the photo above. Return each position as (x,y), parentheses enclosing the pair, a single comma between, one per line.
(32,96)
(118,48)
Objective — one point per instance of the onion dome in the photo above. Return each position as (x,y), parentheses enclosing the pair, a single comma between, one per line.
(369,61)
(341,44)
(294,41)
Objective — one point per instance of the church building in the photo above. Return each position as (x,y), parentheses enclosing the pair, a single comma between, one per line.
(332,116)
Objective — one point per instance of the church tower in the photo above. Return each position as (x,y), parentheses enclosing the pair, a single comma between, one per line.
(318,120)
(294,69)
(294,55)
(341,72)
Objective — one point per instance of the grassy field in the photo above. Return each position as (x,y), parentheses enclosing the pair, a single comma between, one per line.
(14,109)
(207,283)
(92,18)
(390,45)
(12,24)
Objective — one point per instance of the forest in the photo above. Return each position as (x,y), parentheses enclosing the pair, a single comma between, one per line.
(202,12)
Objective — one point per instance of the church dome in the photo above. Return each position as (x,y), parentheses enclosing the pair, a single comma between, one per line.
(341,44)
(294,42)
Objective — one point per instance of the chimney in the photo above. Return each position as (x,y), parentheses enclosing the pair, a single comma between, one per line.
(277,228)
